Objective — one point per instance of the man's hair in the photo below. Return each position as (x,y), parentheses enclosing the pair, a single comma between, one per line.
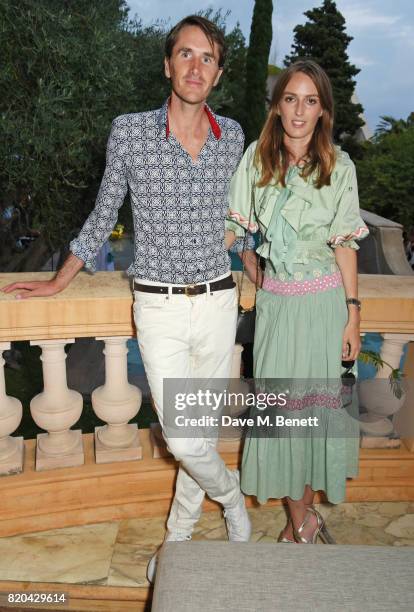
(210,29)
(271,154)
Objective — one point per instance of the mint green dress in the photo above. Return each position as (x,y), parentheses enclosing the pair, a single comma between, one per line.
(301,315)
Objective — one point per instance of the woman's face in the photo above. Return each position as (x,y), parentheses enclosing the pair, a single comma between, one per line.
(300,107)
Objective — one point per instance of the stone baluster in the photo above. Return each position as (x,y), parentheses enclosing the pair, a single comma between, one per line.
(376,394)
(11,448)
(116,402)
(391,351)
(56,409)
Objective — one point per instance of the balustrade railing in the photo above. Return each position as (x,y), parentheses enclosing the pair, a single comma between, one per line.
(100,306)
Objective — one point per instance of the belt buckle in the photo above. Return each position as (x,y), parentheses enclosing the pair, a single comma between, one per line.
(187,290)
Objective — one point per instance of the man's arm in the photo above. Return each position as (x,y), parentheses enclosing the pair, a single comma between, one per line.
(61,280)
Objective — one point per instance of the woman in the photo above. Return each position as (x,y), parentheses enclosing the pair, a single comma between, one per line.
(300,191)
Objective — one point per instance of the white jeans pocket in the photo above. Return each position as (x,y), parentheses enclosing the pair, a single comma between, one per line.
(226,299)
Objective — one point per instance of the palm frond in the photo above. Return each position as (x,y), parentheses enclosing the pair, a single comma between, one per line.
(396,376)
(396,379)
(371,358)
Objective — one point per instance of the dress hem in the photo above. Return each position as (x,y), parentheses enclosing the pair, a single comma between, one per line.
(330,499)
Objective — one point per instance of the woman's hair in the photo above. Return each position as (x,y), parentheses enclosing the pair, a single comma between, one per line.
(271,154)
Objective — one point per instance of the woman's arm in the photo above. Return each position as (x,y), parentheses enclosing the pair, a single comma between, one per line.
(347,263)
(252,265)
(245,249)
(229,238)
(241,215)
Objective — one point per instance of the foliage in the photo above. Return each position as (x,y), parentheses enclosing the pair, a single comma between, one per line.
(385,174)
(323,39)
(395,377)
(226,98)
(390,125)
(355,148)
(66,72)
(151,88)
(257,69)
(273,70)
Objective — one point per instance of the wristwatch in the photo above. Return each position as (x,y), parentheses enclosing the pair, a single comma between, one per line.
(354,301)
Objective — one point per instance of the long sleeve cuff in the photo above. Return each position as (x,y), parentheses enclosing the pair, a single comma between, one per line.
(80,250)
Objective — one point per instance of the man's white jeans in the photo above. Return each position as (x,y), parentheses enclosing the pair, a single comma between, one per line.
(189,337)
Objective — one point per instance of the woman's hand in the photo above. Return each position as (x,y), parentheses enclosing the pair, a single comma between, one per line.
(351,342)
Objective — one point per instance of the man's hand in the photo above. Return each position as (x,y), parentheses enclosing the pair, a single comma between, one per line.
(62,279)
(34,289)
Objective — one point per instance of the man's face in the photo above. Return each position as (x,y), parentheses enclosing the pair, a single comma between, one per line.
(193,66)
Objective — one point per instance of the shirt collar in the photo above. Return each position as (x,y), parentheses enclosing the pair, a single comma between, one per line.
(164,126)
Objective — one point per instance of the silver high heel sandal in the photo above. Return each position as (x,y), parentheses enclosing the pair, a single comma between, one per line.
(318,531)
(282,539)
(325,535)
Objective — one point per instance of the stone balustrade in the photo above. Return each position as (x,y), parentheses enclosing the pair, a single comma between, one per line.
(99,306)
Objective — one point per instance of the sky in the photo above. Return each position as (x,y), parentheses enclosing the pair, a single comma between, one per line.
(383,45)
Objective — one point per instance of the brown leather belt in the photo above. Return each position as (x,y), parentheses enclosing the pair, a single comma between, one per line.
(189,290)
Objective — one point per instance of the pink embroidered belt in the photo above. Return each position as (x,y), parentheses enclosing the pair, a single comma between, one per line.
(309,401)
(315,285)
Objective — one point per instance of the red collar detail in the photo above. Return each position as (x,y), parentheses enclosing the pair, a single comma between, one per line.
(215,128)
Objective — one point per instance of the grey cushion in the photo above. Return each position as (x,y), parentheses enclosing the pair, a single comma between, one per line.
(264,577)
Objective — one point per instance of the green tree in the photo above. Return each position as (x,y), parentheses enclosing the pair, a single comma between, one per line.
(385,175)
(227,96)
(323,39)
(67,70)
(151,88)
(257,69)
(390,125)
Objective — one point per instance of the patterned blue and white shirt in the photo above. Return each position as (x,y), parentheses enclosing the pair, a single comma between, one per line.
(178,205)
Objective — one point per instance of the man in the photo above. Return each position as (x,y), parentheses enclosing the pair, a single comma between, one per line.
(177,163)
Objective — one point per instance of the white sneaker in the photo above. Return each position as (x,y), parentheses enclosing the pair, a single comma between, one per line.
(172,536)
(238,524)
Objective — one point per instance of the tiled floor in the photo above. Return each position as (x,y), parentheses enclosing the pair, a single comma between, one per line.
(117,553)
